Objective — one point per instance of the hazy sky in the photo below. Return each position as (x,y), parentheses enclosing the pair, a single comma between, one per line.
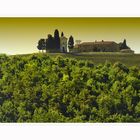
(20,35)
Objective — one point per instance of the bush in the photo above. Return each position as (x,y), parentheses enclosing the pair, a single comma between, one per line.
(40,88)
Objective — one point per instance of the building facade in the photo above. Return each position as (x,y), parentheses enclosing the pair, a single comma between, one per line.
(63,44)
(98,46)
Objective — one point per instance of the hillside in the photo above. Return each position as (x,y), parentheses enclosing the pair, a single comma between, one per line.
(125,58)
(69,88)
(101,57)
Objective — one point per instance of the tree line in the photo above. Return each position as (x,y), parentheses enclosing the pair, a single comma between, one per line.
(53,43)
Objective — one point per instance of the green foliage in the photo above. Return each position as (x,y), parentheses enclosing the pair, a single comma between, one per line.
(40,88)
(71,42)
(50,44)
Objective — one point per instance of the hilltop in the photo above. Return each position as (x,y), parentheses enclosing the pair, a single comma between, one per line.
(62,44)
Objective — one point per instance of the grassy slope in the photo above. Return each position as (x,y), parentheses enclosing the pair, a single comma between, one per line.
(127,59)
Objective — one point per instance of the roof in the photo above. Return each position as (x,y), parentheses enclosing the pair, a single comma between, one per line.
(97,42)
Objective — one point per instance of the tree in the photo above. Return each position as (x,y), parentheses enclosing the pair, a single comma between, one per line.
(124,45)
(62,34)
(41,44)
(49,42)
(56,39)
(71,42)
(39,47)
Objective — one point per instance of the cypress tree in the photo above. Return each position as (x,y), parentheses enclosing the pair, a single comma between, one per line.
(71,42)
(50,42)
(56,40)
(124,45)
(62,34)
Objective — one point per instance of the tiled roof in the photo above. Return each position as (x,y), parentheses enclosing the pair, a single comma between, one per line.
(97,42)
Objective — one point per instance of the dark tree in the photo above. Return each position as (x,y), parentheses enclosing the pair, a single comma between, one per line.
(62,34)
(49,42)
(41,44)
(71,42)
(56,39)
(39,47)
(124,45)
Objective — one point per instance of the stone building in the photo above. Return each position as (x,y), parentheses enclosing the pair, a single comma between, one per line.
(63,44)
(98,46)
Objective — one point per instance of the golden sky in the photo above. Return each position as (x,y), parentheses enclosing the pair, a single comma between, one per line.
(20,35)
